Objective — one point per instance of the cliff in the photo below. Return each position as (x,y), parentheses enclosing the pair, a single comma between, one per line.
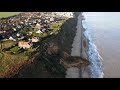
(48,66)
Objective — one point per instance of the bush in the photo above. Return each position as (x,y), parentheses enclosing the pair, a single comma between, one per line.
(1,55)
(27,53)
(45,34)
(36,34)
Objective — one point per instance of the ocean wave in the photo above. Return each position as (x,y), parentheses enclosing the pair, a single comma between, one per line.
(94,57)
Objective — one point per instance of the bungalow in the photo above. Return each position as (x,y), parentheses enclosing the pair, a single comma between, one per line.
(14,29)
(39,31)
(11,38)
(43,30)
(18,34)
(24,45)
(35,39)
(30,32)
(37,27)
(1,31)
(51,19)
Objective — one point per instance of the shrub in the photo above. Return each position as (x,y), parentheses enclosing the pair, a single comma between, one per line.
(27,53)
(36,34)
(1,55)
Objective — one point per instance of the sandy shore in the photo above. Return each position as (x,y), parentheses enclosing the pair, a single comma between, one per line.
(79,48)
(74,72)
(75,51)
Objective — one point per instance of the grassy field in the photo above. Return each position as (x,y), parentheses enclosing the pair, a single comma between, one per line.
(9,63)
(7,14)
(7,44)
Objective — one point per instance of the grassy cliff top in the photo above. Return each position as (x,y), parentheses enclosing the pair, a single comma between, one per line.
(7,14)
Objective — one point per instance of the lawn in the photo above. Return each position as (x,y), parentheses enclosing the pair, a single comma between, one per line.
(14,49)
(10,63)
(7,14)
(7,44)
(55,26)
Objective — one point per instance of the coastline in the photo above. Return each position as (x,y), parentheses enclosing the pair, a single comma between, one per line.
(40,68)
(84,47)
(94,70)
(79,48)
(64,39)
(74,39)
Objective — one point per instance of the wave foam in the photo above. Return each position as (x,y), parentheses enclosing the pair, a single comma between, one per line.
(94,57)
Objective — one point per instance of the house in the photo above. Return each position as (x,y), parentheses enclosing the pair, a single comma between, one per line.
(30,32)
(24,45)
(21,22)
(47,21)
(63,14)
(35,39)
(18,34)
(11,38)
(51,19)
(14,29)
(39,31)
(1,31)
(43,30)
(37,27)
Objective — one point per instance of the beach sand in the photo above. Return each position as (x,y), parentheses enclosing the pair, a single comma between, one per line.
(78,49)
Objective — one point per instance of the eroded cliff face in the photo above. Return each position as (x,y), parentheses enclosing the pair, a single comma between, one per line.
(67,34)
(47,65)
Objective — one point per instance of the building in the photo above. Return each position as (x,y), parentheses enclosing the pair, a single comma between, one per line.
(37,27)
(24,45)
(39,31)
(35,39)
(11,38)
(63,14)
(51,19)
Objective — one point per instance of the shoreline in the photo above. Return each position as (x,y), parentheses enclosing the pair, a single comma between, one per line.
(94,70)
(80,47)
(84,47)
(82,72)
(71,39)
(75,72)
(40,68)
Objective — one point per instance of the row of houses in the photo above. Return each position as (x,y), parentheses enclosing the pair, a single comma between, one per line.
(12,27)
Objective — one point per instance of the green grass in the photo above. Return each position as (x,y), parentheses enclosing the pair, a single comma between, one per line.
(10,61)
(14,49)
(1,55)
(7,44)
(7,14)
(55,26)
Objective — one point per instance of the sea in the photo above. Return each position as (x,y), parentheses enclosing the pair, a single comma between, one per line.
(103,32)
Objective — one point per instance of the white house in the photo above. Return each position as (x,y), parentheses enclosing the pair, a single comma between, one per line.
(35,39)
(64,14)
(14,29)
(18,34)
(51,19)
(37,27)
(11,38)
(39,31)
(30,33)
